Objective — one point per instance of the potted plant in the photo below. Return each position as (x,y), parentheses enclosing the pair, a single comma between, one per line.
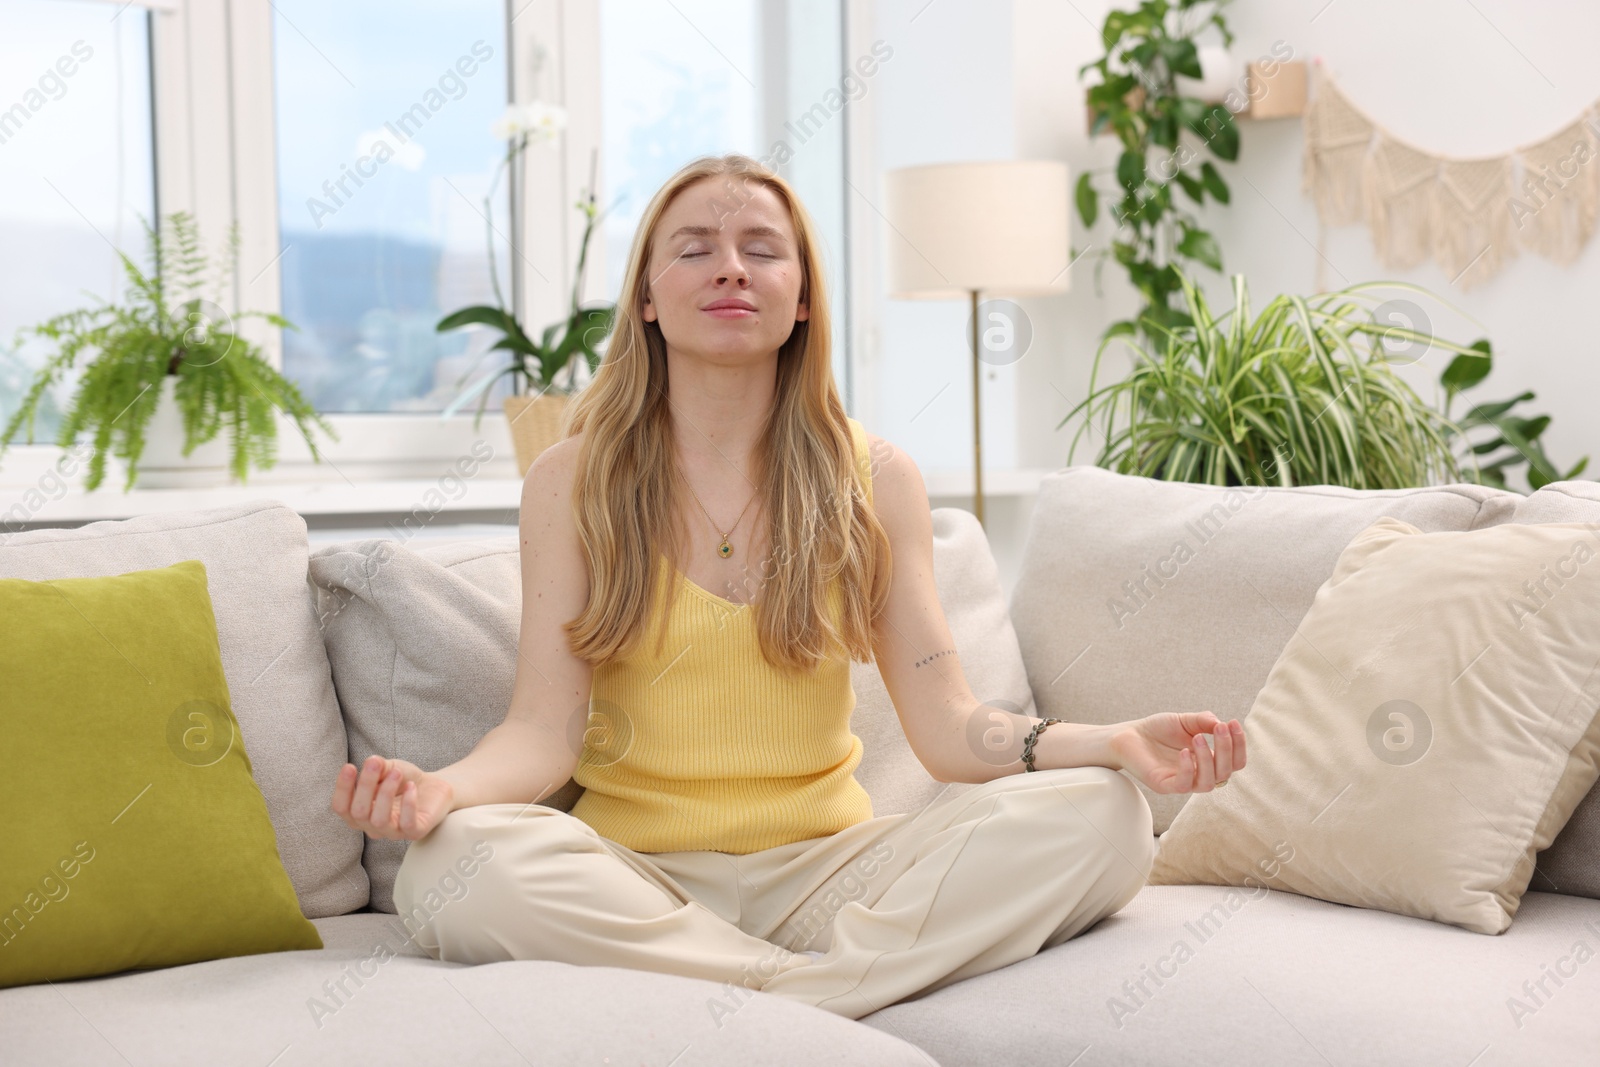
(538,401)
(165,371)
(1304,393)
(1495,432)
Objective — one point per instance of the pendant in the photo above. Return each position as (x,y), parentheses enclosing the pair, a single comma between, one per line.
(725,549)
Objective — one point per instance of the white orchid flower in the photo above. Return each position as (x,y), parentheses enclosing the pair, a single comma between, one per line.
(539,119)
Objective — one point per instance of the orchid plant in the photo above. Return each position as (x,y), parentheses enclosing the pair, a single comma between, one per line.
(532,365)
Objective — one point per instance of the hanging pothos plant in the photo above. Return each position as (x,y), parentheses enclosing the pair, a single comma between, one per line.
(1164,136)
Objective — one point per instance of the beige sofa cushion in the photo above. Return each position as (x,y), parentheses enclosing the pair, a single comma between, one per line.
(423,644)
(1138,596)
(373,996)
(1572,862)
(272,655)
(1429,728)
(1254,978)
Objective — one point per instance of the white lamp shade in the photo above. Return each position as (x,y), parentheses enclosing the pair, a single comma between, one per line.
(1000,228)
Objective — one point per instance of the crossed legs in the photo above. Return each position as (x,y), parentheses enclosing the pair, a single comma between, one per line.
(900,905)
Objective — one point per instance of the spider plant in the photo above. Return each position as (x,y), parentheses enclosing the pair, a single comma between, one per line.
(1303,393)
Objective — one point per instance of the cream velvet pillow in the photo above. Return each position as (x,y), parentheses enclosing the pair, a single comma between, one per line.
(1139,596)
(1428,729)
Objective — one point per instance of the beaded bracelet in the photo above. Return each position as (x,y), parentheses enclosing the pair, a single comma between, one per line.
(1033,735)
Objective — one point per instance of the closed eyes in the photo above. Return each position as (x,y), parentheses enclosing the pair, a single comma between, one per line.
(763,255)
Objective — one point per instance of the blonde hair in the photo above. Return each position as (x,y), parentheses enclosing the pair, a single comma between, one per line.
(819,524)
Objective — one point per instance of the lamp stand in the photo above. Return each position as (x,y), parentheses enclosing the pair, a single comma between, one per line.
(977,435)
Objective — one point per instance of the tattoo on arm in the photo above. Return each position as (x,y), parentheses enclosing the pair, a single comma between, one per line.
(936,655)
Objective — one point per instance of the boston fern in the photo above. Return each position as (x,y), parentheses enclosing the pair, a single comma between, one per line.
(165,326)
(1137,99)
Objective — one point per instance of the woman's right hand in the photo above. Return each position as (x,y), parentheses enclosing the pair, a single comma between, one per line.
(391,799)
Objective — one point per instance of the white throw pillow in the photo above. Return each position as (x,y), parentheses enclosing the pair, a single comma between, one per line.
(1139,596)
(1572,862)
(1427,730)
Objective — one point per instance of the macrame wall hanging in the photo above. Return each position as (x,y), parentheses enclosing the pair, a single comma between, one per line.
(1468,215)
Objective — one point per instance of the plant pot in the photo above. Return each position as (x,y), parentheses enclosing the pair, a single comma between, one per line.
(162,464)
(535,424)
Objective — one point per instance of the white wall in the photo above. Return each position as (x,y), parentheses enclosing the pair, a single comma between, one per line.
(944,96)
(1455,78)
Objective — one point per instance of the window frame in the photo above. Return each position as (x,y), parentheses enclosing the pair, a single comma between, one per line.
(215,131)
(395,444)
(35,464)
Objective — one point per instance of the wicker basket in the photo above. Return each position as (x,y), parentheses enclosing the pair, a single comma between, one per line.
(535,424)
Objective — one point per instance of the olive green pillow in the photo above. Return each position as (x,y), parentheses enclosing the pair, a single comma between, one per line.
(134,835)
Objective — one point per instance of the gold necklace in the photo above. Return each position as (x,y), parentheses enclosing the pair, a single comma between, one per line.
(724,549)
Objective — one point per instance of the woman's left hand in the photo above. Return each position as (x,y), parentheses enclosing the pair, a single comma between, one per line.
(1168,751)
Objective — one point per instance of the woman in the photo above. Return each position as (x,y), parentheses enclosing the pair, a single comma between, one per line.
(703,555)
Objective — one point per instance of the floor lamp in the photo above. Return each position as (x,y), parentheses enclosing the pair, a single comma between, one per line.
(965,229)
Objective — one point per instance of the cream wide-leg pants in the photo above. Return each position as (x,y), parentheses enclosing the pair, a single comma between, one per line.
(899,905)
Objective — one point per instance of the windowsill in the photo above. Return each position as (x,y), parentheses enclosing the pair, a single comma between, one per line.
(370,502)
(951,485)
(323,503)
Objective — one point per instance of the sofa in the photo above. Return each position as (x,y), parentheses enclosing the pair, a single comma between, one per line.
(405,647)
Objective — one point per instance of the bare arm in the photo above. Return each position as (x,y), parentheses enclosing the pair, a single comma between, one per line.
(533,751)
(959,739)
(953,734)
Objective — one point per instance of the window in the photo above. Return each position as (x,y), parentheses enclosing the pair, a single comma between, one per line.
(77,172)
(384,157)
(701,77)
(352,143)
(668,95)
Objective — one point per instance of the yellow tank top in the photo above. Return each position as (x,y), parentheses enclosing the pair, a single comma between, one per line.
(706,746)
